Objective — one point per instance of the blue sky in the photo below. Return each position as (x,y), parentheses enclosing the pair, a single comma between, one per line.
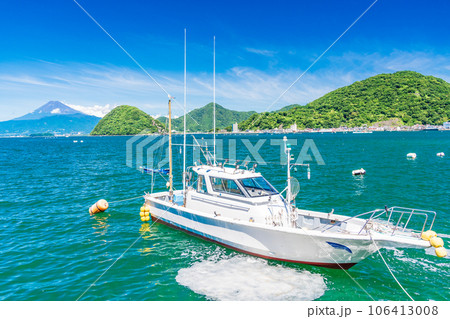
(51,50)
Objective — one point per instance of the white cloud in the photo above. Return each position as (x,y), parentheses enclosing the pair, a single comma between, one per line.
(267,53)
(24,79)
(96,110)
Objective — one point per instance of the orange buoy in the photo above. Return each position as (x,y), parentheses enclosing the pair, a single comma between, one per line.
(98,207)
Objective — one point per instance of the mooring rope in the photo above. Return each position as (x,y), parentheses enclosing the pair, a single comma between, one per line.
(127,199)
(129,247)
(337,263)
(390,268)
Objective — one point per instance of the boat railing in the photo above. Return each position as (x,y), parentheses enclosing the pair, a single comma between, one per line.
(410,212)
(390,212)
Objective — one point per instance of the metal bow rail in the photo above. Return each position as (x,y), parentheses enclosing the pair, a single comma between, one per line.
(390,212)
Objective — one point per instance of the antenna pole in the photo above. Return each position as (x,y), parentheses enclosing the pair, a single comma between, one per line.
(214,98)
(184,126)
(170,151)
(287,150)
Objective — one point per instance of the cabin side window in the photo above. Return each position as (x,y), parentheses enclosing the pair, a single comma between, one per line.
(201,184)
(223,185)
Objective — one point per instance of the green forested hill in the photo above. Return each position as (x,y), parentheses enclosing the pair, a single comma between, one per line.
(408,96)
(204,118)
(127,120)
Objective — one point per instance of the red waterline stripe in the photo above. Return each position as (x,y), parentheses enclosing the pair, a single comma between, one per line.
(326,265)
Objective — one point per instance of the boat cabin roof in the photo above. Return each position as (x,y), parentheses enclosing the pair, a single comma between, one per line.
(224,172)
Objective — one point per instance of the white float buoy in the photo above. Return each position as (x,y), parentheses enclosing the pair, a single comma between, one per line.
(411,155)
(360,171)
(441,154)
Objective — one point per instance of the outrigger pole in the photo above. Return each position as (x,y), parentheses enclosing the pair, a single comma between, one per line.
(170,151)
(184,126)
(214,99)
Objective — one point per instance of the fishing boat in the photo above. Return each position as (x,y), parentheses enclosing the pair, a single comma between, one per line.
(238,208)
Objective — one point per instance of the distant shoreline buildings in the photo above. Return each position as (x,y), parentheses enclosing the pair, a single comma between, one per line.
(344,129)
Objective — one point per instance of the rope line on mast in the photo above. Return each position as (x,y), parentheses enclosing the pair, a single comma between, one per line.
(128,54)
(315,61)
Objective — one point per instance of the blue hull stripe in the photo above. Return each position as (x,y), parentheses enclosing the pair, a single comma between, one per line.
(339,246)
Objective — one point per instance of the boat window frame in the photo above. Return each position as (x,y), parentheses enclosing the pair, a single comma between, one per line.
(204,187)
(239,187)
(273,189)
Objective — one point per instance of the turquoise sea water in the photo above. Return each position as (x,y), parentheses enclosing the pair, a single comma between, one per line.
(51,249)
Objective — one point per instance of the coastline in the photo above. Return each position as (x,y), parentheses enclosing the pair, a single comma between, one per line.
(249,132)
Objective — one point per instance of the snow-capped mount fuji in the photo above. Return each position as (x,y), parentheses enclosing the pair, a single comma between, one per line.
(49,109)
(52,117)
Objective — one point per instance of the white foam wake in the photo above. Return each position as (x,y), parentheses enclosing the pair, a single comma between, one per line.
(249,278)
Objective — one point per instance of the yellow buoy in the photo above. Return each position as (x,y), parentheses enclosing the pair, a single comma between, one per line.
(98,207)
(147,209)
(440,252)
(142,214)
(147,218)
(142,209)
(436,242)
(143,218)
(146,213)
(427,235)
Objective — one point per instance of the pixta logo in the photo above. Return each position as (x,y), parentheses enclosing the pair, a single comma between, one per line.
(153,151)
(147,150)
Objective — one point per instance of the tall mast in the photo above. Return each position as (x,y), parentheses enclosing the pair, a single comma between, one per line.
(287,150)
(214,98)
(170,151)
(184,126)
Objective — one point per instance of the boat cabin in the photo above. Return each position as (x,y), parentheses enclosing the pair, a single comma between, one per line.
(216,180)
(231,192)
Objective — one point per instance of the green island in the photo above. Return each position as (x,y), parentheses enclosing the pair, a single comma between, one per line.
(403,98)
(127,120)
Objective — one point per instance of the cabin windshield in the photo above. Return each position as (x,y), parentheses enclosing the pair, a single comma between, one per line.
(258,186)
(223,185)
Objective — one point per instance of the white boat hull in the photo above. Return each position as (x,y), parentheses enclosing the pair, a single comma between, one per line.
(297,245)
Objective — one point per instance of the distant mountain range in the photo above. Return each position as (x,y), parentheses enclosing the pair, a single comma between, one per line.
(201,119)
(52,117)
(51,108)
